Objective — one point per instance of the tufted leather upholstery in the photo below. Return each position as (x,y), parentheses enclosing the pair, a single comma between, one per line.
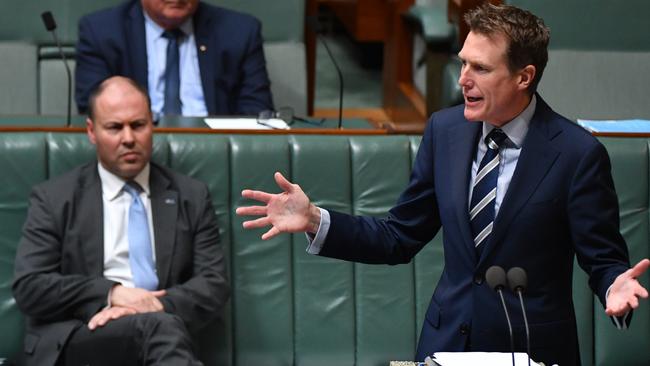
(290,308)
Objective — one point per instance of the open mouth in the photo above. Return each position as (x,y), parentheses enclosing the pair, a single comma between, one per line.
(473,99)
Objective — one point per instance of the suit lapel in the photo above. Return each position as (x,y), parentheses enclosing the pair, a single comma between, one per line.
(536,159)
(91,232)
(462,139)
(164,209)
(207,55)
(137,44)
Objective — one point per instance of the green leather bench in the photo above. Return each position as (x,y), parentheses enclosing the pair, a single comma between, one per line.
(290,308)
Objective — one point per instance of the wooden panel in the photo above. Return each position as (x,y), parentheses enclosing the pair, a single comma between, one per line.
(456,10)
(365,20)
(376,20)
(402,102)
(311,14)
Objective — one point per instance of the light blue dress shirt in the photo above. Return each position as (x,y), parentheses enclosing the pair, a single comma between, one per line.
(192,98)
(516,131)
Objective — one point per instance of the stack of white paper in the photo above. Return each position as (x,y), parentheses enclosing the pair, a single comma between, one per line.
(481,358)
(245,124)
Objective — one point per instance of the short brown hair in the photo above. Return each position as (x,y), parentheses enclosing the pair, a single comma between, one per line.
(527,35)
(92,99)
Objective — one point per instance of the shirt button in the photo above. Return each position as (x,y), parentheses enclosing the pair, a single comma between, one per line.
(478,279)
(464,329)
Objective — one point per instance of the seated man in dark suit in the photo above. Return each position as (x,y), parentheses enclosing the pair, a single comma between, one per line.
(193,58)
(510,183)
(119,261)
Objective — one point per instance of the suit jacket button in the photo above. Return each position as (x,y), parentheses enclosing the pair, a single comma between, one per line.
(464,329)
(478,279)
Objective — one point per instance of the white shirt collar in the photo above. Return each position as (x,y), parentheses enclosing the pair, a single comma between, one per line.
(516,129)
(112,184)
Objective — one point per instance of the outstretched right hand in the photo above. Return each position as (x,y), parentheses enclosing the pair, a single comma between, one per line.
(286,212)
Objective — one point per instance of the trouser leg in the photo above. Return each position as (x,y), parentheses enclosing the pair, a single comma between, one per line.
(140,339)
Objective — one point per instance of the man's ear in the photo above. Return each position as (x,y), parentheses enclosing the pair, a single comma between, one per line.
(90,131)
(526,76)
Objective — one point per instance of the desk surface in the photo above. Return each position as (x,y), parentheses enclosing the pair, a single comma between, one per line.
(328,123)
(192,123)
(352,126)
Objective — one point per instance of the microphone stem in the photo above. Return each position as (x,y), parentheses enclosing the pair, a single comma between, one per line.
(67,69)
(505,310)
(523,308)
(338,70)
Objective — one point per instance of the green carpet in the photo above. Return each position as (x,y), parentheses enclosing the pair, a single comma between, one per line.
(362,85)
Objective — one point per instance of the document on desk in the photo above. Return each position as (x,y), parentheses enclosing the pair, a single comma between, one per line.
(622,126)
(246,124)
(480,358)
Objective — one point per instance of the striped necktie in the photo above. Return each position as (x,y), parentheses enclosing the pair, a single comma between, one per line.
(143,268)
(484,191)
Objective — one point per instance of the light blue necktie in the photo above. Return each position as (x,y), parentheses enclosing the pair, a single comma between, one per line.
(172,104)
(140,253)
(484,192)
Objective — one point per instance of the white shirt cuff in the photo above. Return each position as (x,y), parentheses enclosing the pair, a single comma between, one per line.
(108,299)
(316,242)
(622,321)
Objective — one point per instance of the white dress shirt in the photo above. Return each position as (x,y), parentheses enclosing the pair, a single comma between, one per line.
(116,203)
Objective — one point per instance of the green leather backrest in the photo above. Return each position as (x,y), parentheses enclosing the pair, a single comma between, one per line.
(594,24)
(18,77)
(630,168)
(18,151)
(599,57)
(22,20)
(281,20)
(291,308)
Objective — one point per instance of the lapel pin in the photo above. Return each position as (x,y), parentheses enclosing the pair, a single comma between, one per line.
(170,201)
(203,48)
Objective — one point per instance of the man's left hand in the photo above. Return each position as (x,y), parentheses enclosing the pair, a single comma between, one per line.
(103,317)
(626,290)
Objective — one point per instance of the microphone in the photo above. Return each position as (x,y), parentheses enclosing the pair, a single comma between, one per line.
(518,280)
(496,279)
(315,27)
(50,25)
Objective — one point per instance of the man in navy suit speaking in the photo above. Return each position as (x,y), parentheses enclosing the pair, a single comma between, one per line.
(511,183)
(193,58)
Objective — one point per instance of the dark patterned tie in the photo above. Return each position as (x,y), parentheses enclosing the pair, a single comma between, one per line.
(172,104)
(484,192)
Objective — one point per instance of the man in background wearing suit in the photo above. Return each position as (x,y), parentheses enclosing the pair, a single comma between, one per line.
(511,183)
(193,58)
(119,261)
